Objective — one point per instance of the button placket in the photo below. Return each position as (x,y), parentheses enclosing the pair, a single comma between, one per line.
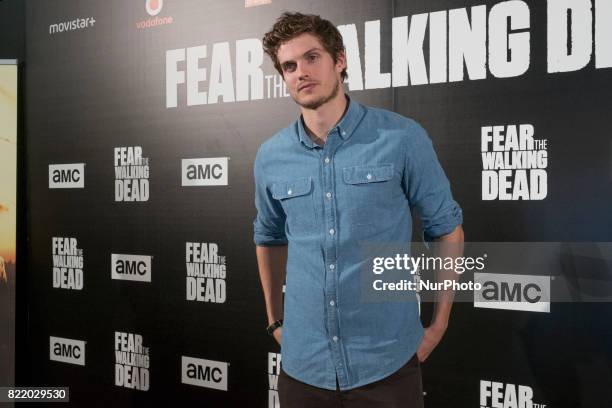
(330,243)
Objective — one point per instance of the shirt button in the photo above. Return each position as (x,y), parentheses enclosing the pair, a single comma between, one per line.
(335,338)
(328,195)
(332,231)
(331,302)
(327,160)
(289,192)
(332,267)
(343,133)
(369,177)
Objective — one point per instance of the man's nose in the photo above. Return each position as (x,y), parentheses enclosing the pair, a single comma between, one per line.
(302,70)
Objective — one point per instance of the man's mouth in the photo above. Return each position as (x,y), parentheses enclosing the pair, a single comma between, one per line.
(306,86)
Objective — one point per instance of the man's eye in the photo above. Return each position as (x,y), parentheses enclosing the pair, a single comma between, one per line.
(289,67)
(312,57)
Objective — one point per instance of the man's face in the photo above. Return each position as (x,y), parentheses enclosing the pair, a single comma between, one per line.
(309,70)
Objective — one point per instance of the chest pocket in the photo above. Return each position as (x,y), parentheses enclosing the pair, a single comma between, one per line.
(296,198)
(367,174)
(369,189)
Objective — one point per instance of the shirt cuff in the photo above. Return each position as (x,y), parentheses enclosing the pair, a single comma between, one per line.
(443,225)
(264,240)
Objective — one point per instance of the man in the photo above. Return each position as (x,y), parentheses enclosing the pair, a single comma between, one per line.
(342,174)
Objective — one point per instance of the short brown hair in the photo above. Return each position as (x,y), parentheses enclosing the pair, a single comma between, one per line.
(291,25)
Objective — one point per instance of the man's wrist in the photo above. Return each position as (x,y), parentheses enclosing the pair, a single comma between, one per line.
(275,325)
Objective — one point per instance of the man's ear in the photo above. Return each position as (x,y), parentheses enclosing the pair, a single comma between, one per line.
(340,61)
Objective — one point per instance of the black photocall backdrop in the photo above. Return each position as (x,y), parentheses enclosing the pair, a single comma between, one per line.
(101,83)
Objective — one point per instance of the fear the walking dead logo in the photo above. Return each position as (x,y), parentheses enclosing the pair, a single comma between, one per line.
(513,163)
(443,46)
(274,365)
(131,362)
(67,263)
(131,174)
(205,272)
(499,395)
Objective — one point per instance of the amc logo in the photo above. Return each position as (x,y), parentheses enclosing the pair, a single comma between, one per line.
(204,373)
(131,267)
(67,175)
(67,350)
(513,292)
(204,172)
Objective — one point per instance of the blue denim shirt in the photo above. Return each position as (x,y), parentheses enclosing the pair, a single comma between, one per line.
(375,168)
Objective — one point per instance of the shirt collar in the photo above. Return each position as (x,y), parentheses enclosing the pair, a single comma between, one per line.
(345,127)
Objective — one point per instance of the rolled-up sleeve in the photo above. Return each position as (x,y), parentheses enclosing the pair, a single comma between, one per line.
(269,224)
(427,187)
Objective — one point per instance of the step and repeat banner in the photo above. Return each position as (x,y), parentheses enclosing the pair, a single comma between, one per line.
(143,120)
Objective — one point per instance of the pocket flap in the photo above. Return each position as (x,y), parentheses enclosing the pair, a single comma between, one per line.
(293,188)
(367,174)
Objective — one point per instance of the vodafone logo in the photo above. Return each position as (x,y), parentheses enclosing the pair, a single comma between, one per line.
(154,6)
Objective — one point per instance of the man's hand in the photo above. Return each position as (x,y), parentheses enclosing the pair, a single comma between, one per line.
(449,245)
(278,333)
(433,335)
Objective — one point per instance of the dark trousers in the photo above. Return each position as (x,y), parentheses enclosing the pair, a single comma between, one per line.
(402,389)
